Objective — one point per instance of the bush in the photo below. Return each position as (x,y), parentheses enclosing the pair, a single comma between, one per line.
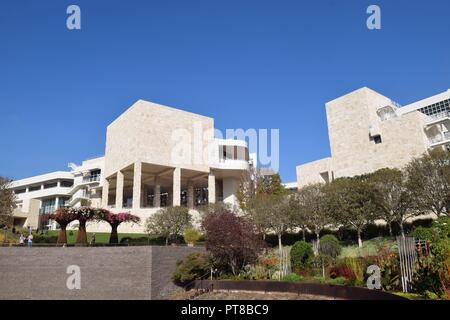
(232,241)
(43,238)
(292,277)
(301,254)
(441,227)
(193,266)
(191,235)
(338,281)
(422,233)
(329,246)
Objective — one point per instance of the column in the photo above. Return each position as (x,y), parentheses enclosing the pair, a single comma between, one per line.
(211,187)
(119,190)
(157,193)
(137,185)
(56,203)
(176,198)
(144,196)
(190,195)
(105,193)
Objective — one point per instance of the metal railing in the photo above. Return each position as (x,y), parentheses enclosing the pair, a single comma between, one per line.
(443,137)
(94,178)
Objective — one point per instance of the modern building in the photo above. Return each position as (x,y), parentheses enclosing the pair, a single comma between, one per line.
(368,131)
(155,156)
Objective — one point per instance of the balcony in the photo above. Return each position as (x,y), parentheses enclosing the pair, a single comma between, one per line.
(232,164)
(93,178)
(444,138)
(438,118)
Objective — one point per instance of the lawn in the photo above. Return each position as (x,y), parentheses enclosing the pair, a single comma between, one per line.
(369,248)
(100,237)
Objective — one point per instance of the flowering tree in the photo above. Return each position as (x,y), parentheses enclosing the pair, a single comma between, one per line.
(63,216)
(115,220)
(83,215)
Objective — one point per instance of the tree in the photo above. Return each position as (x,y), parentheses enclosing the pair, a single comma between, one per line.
(83,214)
(351,202)
(7,201)
(232,240)
(429,182)
(394,197)
(169,222)
(310,211)
(114,220)
(63,217)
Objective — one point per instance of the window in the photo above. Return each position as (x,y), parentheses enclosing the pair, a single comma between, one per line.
(377,139)
(34,188)
(66,183)
(50,185)
(19,191)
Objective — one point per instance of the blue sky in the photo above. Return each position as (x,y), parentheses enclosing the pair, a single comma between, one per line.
(247,63)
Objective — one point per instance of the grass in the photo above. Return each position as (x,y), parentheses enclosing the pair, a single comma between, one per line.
(100,237)
(369,248)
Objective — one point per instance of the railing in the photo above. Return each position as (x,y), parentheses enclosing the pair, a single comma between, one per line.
(443,137)
(440,115)
(94,178)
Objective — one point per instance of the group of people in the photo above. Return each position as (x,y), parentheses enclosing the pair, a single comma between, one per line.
(28,239)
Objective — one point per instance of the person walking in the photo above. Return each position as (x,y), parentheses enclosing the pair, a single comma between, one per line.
(93,240)
(21,240)
(30,240)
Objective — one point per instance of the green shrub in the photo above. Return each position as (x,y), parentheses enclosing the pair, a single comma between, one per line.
(292,277)
(193,266)
(441,227)
(191,235)
(329,246)
(422,233)
(301,254)
(43,238)
(338,281)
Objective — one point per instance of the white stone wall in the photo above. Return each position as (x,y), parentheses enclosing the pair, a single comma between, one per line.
(145,133)
(351,121)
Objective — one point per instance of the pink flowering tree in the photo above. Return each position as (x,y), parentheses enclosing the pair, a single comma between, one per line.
(85,214)
(63,217)
(115,219)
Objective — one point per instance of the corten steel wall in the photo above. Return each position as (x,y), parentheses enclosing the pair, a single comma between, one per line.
(341,292)
(106,272)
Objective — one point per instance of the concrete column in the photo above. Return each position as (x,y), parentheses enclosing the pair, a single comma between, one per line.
(137,185)
(211,187)
(157,193)
(105,193)
(144,196)
(56,202)
(119,190)
(190,195)
(176,198)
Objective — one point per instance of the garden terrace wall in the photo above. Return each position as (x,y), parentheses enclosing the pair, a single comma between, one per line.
(335,291)
(106,272)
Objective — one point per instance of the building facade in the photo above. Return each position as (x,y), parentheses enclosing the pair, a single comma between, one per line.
(155,156)
(368,131)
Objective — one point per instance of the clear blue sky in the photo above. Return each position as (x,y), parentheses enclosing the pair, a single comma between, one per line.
(247,63)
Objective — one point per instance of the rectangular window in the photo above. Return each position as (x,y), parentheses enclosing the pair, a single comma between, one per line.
(377,139)
(50,185)
(34,188)
(19,191)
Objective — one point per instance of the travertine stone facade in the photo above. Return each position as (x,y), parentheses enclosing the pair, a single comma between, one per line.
(148,132)
(367,132)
